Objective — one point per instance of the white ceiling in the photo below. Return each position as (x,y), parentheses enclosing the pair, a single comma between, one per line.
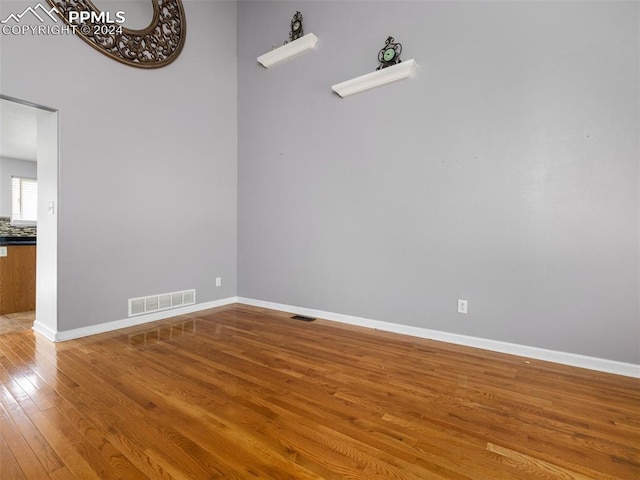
(18,131)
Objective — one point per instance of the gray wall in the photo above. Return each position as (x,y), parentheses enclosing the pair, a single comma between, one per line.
(147,164)
(13,167)
(506,173)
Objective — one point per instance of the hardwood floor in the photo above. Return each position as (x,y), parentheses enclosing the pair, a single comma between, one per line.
(12,322)
(241,392)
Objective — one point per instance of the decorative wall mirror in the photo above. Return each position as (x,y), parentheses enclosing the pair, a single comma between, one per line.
(154,46)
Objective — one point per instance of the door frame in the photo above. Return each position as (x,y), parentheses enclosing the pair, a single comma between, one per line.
(46,322)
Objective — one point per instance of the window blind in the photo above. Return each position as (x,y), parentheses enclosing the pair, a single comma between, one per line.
(24,199)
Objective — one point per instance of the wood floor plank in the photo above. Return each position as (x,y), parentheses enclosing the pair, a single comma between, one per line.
(64,445)
(536,468)
(12,427)
(105,430)
(159,394)
(9,466)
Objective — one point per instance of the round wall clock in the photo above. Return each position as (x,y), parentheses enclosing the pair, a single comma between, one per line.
(154,46)
(389,54)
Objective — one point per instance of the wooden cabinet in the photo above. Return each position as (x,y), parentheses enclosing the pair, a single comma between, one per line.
(18,279)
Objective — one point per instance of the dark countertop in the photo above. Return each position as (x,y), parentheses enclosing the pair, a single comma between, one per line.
(17,241)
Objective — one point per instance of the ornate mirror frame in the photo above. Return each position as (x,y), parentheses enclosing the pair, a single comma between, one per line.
(155,46)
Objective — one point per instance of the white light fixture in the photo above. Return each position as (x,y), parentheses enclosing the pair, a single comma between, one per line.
(288,50)
(399,71)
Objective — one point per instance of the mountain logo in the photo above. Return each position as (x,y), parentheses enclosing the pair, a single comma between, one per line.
(34,11)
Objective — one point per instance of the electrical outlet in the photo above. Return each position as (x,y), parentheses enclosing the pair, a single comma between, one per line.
(218,281)
(3,251)
(462,306)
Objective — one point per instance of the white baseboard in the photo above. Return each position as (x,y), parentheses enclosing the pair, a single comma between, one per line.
(128,322)
(575,360)
(45,331)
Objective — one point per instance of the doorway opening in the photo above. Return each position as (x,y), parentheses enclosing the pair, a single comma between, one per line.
(37,136)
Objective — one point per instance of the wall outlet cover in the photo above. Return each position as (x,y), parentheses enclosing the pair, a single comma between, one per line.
(462,306)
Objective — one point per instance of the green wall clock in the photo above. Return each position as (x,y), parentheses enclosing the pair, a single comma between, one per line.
(389,54)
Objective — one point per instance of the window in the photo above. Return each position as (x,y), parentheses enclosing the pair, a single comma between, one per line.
(24,201)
